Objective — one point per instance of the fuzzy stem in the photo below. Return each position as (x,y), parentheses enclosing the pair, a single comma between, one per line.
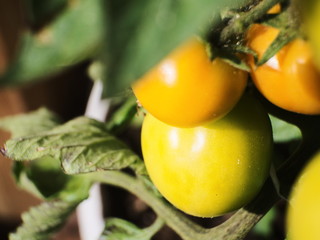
(234,228)
(176,220)
(241,21)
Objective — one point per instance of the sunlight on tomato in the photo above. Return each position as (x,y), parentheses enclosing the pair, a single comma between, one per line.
(304,205)
(212,169)
(289,79)
(187,89)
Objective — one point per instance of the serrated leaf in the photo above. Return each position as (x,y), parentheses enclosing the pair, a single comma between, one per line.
(40,222)
(75,35)
(119,229)
(33,122)
(283,131)
(45,179)
(142,32)
(82,145)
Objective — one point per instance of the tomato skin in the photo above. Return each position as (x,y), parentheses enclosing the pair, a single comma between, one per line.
(289,79)
(187,89)
(304,204)
(214,168)
(312,20)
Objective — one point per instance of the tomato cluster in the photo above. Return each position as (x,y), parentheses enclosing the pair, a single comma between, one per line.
(206,147)
(207,144)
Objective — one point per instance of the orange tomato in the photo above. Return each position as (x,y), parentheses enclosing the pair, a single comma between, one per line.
(289,79)
(187,88)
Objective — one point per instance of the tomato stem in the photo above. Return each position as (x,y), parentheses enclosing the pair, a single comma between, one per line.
(187,229)
(241,21)
(236,227)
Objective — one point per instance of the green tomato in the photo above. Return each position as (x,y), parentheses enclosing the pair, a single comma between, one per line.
(214,168)
(304,204)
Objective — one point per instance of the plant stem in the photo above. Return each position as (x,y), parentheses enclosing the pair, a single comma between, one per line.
(175,219)
(239,225)
(241,21)
(154,228)
(234,228)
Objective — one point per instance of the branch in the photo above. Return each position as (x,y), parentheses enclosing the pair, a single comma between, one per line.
(234,228)
(175,219)
(241,21)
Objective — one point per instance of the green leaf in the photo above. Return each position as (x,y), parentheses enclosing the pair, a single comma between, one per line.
(45,179)
(283,131)
(76,34)
(33,122)
(40,222)
(119,229)
(123,115)
(82,145)
(142,32)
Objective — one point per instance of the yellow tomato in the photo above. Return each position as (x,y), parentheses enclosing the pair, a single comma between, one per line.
(214,168)
(312,22)
(187,89)
(304,204)
(289,79)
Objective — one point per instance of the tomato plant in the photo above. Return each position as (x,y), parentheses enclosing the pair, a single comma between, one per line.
(187,89)
(288,74)
(212,169)
(304,208)
(207,144)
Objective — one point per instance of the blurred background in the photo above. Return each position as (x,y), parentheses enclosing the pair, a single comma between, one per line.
(55,92)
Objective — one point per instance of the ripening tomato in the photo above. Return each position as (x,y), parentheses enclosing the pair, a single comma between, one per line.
(304,204)
(214,168)
(187,88)
(289,79)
